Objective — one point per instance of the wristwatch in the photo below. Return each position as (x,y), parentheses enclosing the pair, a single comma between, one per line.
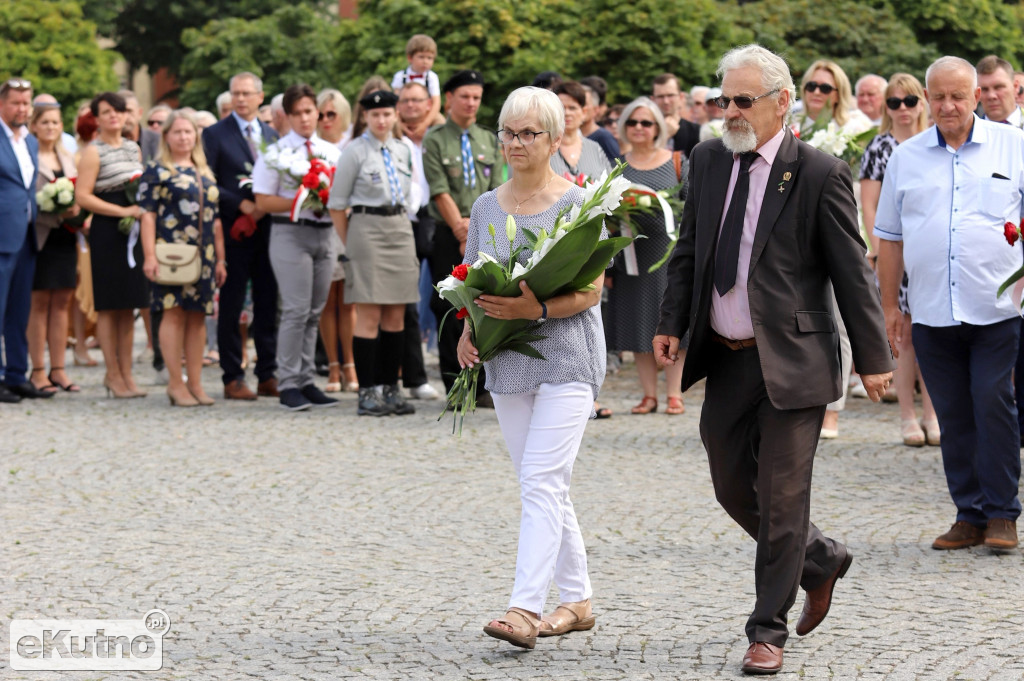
(543,313)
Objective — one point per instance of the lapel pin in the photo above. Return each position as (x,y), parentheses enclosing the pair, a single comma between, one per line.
(786,176)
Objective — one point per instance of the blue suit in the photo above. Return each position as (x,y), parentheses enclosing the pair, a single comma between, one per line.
(230,158)
(18,212)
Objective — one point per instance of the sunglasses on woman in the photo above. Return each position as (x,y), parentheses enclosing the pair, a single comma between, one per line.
(329,115)
(632,123)
(894,102)
(823,88)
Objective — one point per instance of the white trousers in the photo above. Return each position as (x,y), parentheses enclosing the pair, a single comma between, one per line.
(543,430)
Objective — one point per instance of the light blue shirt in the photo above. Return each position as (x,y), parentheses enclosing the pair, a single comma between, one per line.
(948,207)
(257,132)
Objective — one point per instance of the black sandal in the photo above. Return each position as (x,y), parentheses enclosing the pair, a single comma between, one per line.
(48,388)
(67,387)
(602,413)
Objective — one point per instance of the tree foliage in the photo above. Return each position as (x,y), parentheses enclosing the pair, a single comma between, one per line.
(52,45)
(860,38)
(965,28)
(291,45)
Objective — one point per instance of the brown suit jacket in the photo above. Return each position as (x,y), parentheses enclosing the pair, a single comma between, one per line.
(807,235)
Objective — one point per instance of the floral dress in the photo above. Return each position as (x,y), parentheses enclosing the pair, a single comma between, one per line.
(174,196)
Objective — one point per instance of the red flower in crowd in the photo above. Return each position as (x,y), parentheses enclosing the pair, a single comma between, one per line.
(311,180)
(324,195)
(462,313)
(631,200)
(1011,233)
(460,272)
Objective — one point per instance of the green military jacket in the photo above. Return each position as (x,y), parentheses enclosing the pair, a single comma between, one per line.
(442,164)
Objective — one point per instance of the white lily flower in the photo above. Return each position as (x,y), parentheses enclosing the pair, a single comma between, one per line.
(518,269)
(481,259)
(510,228)
(591,189)
(450,283)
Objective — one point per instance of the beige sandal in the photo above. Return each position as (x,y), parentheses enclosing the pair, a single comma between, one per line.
(524,626)
(568,617)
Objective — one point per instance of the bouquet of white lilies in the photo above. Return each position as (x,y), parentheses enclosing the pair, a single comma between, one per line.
(568,258)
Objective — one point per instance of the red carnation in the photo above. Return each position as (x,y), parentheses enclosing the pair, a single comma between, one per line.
(324,195)
(1011,233)
(460,272)
(462,313)
(311,180)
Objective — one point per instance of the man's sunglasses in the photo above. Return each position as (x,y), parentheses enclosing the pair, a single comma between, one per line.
(823,88)
(19,84)
(742,102)
(632,123)
(894,102)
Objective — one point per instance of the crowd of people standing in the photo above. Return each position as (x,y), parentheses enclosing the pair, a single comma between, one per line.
(310,221)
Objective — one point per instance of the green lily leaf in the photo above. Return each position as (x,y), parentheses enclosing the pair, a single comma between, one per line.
(598,262)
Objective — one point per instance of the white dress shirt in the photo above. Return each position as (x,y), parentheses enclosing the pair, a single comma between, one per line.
(20,145)
(257,131)
(270,181)
(949,207)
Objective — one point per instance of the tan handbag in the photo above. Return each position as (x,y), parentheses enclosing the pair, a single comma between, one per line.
(181,264)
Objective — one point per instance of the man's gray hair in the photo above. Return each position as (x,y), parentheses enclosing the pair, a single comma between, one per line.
(775,73)
(881,82)
(277,103)
(257,82)
(223,100)
(648,104)
(949,63)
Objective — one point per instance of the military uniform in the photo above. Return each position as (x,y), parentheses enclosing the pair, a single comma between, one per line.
(443,165)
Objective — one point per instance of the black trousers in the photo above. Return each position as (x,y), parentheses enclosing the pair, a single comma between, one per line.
(444,256)
(248,259)
(761,459)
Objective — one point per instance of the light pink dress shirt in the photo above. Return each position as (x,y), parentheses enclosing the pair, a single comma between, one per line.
(730,314)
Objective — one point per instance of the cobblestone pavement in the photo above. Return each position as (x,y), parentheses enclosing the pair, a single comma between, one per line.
(321,545)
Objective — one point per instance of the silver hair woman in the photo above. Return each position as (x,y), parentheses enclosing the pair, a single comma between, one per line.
(661,135)
(542,405)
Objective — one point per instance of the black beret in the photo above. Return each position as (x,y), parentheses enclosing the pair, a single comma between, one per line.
(467,77)
(380,99)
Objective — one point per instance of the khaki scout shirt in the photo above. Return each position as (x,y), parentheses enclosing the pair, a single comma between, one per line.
(442,164)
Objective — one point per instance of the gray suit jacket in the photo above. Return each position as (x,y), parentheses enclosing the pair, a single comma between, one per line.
(807,235)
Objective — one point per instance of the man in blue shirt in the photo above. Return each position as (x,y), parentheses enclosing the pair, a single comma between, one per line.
(947,194)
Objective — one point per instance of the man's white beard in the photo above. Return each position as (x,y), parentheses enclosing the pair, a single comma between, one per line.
(740,140)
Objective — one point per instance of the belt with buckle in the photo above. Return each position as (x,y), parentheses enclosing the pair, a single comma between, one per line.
(741,344)
(306,222)
(379,210)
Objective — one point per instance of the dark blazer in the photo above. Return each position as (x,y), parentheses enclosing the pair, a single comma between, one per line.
(229,158)
(149,142)
(686,138)
(17,204)
(807,234)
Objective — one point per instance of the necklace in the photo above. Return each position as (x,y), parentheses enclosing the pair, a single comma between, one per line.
(527,199)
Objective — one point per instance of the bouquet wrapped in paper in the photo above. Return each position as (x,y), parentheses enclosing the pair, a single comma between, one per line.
(569,257)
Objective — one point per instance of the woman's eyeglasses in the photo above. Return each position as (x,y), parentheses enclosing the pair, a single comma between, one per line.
(525,137)
(155,123)
(329,115)
(823,88)
(742,102)
(632,123)
(894,102)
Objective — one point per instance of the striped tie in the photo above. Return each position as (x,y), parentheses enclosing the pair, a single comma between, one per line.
(468,167)
(397,197)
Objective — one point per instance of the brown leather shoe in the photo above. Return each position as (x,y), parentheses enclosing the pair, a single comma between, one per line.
(819,599)
(1001,533)
(762,658)
(268,388)
(961,536)
(238,390)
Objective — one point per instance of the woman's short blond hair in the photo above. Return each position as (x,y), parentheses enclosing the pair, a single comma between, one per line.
(341,105)
(910,86)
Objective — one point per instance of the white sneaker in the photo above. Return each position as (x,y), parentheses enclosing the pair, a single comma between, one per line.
(423,392)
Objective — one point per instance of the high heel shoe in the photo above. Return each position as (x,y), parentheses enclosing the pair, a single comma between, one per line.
(204,401)
(351,386)
(332,386)
(932,433)
(86,361)
(178,402)
(68,387)
(118,395)
(913,435)
(524,628)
